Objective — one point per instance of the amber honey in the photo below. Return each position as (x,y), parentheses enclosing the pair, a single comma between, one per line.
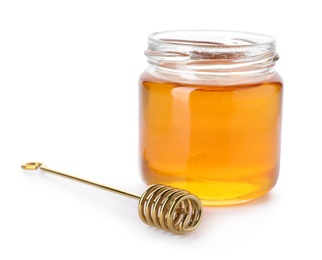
(220,142)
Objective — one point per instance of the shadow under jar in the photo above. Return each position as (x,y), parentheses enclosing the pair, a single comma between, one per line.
(210,114)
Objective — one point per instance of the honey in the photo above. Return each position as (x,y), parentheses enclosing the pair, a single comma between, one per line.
(216,135)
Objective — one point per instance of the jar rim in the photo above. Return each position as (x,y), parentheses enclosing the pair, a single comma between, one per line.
(219,39)
(211,51)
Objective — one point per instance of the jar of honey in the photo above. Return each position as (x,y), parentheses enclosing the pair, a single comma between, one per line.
(210,114)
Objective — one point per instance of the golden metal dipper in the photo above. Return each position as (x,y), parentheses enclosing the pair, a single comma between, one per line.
(174,210)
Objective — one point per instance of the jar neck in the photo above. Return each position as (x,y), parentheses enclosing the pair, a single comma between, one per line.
(211,53)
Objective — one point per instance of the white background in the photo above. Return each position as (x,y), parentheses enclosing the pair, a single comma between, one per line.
(69,98)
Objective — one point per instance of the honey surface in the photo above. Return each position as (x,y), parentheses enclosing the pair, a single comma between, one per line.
(221,143)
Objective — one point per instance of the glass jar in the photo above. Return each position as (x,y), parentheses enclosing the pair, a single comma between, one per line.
(210,114)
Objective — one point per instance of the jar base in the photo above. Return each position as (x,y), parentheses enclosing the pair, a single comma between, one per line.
(225,194)
(232,202)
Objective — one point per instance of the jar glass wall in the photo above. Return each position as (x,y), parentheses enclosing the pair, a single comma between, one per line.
(210,114)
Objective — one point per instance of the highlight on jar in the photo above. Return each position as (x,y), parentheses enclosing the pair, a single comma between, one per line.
(210,114)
